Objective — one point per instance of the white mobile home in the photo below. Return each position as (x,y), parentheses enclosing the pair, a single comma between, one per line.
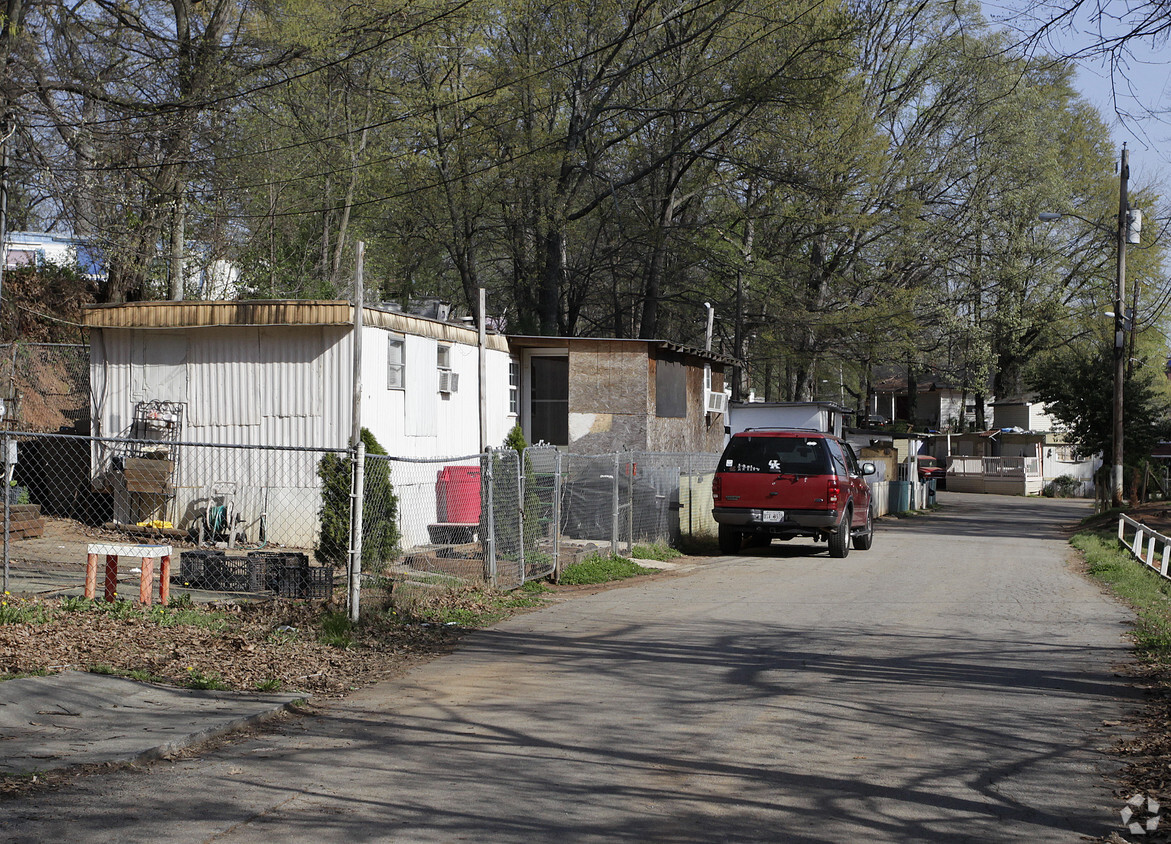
(815,415)
(278,373)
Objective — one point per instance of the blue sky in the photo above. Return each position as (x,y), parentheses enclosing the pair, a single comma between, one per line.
(1134,96)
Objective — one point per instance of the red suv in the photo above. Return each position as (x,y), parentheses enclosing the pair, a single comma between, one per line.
(774,482)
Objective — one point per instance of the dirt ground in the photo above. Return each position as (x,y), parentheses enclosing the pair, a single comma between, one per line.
(265,642)
(274,643)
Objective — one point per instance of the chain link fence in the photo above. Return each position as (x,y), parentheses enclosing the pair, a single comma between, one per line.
(276,520)
(45,386)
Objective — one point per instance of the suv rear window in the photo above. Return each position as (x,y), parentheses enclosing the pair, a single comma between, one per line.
(784,455)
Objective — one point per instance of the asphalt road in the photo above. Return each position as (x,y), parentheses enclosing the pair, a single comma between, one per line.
(947,685)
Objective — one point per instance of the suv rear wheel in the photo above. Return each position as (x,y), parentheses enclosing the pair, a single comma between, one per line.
(864,540)
(729,540)
(839,540)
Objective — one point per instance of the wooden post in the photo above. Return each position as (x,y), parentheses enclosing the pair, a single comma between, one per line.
(146,581)
(165,579)
(111,592)
(91,576)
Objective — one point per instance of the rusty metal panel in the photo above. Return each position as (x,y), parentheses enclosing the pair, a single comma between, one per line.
(213,314)
(275,312)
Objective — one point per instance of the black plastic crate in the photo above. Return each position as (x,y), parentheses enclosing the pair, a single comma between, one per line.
(319,582)
(230,574)
(265,568)
(199,569)
(291,580)
(306,582)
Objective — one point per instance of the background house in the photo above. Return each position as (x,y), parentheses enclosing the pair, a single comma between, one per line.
(1023,413)
(36,249)
(595,396)
(940,405)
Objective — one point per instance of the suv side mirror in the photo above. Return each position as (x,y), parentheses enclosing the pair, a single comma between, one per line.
(869,468)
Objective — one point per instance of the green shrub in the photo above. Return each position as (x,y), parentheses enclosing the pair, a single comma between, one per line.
(1065,486)
(380,535)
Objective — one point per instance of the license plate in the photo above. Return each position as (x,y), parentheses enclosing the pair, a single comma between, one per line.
(773,515)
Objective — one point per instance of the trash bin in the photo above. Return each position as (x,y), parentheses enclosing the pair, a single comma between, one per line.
(931,482)
(457,494)
(900,496)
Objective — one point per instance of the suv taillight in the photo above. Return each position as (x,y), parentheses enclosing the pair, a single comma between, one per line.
(717,488)
(833,490)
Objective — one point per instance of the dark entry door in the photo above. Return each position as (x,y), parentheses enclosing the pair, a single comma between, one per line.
(549,400)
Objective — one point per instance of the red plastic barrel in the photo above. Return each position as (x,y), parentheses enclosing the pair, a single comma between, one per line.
(457,494)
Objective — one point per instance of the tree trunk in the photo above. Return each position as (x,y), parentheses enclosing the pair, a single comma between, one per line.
(178,247)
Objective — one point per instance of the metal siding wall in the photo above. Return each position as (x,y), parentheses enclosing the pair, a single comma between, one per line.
(224,377)
(290,371)
(337,378)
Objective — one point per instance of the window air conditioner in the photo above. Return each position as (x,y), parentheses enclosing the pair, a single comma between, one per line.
(717,402)
(448,381)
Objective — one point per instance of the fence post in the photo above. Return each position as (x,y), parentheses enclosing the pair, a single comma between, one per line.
(7,509)
(520,514)
(614,507)
(690,498)
(356,510)
(557,516)
(631,468)
(490,507)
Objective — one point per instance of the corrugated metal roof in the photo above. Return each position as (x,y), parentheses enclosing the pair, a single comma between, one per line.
(289,312)
(538,341)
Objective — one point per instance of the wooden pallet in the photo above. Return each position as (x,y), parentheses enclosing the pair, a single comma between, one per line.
(25,522)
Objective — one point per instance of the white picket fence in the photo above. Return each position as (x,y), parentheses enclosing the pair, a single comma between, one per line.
(1152,549)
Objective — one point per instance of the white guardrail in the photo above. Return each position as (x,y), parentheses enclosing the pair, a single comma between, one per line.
(1154,541)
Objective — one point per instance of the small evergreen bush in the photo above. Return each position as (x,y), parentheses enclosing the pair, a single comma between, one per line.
(380,534)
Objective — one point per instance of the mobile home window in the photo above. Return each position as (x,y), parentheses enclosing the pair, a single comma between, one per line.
(443,356)
(514,387)
(395,360)
(670,388)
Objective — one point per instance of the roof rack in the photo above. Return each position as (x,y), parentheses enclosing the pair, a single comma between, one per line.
(794,430)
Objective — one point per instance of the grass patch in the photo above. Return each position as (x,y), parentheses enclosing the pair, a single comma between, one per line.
(659,551)
(20,610)
(144,676)
(600,568)
(17,675)
(1143,589)
(336,630)
(474,606)
(272,684)
(212,681)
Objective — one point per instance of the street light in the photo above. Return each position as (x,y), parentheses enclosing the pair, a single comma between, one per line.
(1129,224)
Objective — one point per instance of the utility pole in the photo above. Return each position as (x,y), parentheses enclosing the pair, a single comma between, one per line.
(738,337)
(1120,328)
(6,132)
(357,447)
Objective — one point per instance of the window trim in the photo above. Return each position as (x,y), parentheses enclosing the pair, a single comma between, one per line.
(515,372)
(400,341)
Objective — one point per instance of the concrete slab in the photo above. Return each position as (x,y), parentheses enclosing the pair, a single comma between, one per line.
(78,718)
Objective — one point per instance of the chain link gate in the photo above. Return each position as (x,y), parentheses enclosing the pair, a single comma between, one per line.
(542,511)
